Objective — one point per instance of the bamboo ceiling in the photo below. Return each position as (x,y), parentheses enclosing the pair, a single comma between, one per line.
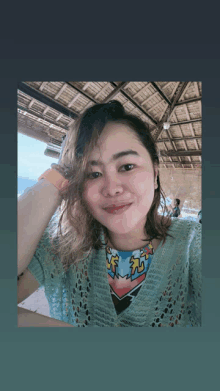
(47,109)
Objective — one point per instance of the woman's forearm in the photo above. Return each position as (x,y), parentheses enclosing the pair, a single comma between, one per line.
(35,209)
(28,318)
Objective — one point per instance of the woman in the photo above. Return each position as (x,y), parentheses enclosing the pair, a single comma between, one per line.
(112,260)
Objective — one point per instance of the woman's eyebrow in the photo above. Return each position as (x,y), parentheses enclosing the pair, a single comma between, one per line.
(114,157)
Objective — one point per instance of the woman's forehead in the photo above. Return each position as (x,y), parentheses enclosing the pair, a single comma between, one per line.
(116,138)
(118,129)
(117,135)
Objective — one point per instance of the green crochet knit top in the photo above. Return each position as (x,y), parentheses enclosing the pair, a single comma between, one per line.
(170,295)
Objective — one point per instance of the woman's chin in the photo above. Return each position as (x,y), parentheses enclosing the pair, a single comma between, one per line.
(119,229)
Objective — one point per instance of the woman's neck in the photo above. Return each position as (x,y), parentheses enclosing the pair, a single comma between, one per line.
(127,242)
(131,241)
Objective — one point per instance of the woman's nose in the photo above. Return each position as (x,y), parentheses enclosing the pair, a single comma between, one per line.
(111,186)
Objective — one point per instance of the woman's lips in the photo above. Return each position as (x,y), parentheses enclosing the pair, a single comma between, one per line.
(117,209)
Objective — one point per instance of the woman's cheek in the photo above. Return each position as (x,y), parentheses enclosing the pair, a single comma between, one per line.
(91,195)
(143,183)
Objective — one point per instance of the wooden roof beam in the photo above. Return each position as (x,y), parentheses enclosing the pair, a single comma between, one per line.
(196,87)
(60,91)
(189,158)
(162,140)
(173,145)
(166,105)
(181,153)
(118,89)
(39,116)
(82,92)
(186,122)
(136,104)
(51,103)
(179,92)
(102,90)
(78,95)
(31,103)
(155,105)
(161,93)
(43,85)
(141,90)
(191,128)
(183,102)
(194,164)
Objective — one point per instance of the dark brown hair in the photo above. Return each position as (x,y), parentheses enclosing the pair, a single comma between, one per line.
(81,232)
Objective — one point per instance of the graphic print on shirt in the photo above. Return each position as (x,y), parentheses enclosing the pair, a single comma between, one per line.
(126,273)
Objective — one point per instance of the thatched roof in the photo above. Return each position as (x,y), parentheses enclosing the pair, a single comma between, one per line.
(47,109)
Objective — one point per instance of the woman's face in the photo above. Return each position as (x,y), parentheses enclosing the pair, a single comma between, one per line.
(120,172)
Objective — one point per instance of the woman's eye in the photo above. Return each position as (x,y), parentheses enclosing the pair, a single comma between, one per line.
(128,167)
(96,174)
(93,175)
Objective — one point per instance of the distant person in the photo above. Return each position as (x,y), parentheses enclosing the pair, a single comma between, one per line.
(176,210)
(200,216)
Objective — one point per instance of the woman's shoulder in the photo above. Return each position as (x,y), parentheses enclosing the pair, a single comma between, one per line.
(184,229)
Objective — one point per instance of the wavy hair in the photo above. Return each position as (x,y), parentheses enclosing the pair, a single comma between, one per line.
(73,231)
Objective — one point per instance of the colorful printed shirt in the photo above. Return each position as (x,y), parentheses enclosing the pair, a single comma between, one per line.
(126,274)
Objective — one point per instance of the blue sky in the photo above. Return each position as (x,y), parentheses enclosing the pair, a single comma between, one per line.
(31,161)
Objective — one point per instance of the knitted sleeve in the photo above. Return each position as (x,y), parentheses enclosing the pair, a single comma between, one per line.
(195,277)
(37,264)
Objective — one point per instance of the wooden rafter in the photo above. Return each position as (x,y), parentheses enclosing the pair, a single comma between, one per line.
(51,103)
(40,117)
(137,105)
(178,139)
(191,128)
(102,90)
(166,105)
(82,92)
(115,92)
(60,91)
(155,105)
(194,164)
(196,88)
(141,91)
(183,140)
(179,92)
(31,103)
(181,153)
(149,98)
(183,102)
(186,122)
(63,110)
(161,93)
(43,85)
